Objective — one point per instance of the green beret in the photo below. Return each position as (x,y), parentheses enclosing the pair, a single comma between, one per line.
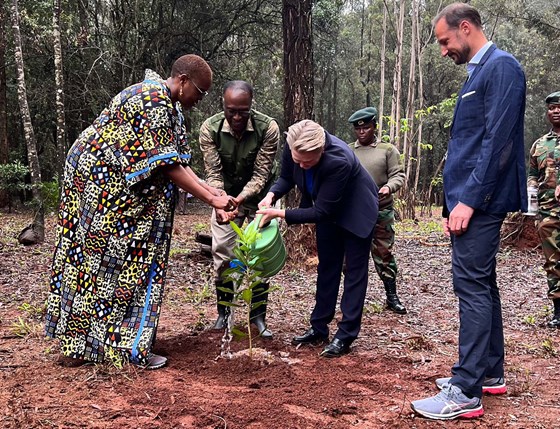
(553,98)
(363,116)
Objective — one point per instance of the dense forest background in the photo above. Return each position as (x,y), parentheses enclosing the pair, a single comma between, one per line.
(364,52)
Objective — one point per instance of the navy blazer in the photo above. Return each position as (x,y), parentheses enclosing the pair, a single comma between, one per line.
(485,166)
(343,191)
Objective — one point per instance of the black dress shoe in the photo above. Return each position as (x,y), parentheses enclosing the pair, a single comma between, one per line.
(336,348)
(310,337)
(554,323)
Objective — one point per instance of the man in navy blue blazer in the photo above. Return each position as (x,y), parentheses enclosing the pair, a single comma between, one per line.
(340,197)
(483,179)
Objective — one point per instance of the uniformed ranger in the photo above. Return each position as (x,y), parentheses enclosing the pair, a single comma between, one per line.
(544,174)
(239,146)
(383,162)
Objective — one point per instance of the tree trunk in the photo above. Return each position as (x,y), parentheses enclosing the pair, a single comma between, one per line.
(298,101)
(410,97)
(409,194)
(4,146)
(38,225)
(298,60)
(59,83)
(397,75)
(382,74)
(420,98)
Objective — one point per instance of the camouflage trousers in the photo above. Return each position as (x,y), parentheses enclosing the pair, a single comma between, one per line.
(383,240)
(549,233)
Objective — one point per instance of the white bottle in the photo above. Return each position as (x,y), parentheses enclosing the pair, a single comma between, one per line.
(532,201)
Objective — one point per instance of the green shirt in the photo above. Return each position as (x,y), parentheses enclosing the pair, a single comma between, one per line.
(383,162)
(242,167)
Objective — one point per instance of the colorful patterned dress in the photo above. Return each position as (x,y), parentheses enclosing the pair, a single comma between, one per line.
(114,227)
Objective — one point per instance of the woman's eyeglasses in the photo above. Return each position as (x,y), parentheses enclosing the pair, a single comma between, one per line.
(200,91)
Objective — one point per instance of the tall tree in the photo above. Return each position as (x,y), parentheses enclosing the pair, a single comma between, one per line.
(4,147)
(59,82)
(399,9)
(298,60)
(36,232)
(383,61)
(298,97)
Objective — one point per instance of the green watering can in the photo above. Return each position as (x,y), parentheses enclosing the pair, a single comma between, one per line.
(270,247)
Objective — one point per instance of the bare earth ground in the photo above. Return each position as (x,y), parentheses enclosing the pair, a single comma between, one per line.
(395,360)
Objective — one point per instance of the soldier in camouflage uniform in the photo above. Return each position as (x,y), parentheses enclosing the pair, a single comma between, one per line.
(544,174)
(383,162)
(239,147)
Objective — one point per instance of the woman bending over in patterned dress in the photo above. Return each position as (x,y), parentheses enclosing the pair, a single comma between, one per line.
(115,219)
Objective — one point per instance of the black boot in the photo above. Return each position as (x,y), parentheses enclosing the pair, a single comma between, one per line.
(223,310)
(393,302)
(258,313)
(555,322)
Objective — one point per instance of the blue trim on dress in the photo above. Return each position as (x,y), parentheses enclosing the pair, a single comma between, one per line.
(151,161)
(144,314)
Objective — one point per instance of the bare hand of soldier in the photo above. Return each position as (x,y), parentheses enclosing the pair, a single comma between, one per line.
(383,192)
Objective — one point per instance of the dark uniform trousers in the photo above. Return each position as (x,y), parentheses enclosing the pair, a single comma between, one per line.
(334,245)
(481,334)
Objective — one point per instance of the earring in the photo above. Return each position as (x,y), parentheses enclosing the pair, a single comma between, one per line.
(181,91)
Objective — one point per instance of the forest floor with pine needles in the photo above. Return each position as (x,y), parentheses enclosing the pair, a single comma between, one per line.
(395,359)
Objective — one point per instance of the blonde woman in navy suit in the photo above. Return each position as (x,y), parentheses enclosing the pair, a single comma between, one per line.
(340,197)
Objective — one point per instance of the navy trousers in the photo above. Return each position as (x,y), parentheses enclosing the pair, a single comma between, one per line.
(334,246)
(481,334)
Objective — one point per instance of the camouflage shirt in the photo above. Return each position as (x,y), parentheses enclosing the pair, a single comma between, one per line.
(544,171)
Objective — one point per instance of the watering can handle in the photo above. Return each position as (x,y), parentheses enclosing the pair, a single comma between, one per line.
(258,219)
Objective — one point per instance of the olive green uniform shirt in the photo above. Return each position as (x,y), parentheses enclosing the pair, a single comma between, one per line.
(383,162)
(253,158)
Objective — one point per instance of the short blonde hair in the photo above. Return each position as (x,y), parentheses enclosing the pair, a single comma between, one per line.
(306,136)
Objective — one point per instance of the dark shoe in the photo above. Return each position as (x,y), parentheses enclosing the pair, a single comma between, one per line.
(220,322)
(153,362)
(336,348)
(394,304)
(70,362)
(223,310)
(264,332)
(258,310)
(555,322)
(310,337)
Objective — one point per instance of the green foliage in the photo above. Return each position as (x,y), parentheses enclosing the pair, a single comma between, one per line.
(198,295)
(100,59)
(200,226)
(421,227)
(548,347)
(21,327)
(50,192)
(245,276)
(12,179)
(32,310)
(176,251)
(373,308)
